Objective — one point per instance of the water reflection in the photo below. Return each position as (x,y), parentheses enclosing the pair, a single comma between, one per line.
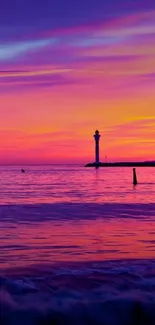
(77,232)
(75,184)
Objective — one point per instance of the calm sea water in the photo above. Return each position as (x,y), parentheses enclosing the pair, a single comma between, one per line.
(63,213)
(55,183)
(89,232)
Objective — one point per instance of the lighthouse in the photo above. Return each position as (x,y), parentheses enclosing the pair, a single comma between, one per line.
(97,139)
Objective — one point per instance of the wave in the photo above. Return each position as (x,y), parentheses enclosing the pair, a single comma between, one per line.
(74,211)
(110,293)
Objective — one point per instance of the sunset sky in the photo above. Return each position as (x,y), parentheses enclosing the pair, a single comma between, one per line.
(68,67)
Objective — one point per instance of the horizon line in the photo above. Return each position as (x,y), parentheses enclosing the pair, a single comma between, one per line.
(70,164)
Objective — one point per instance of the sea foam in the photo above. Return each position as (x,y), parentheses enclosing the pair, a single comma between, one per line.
(110,293)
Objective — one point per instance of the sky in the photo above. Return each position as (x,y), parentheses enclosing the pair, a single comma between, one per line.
(70,67)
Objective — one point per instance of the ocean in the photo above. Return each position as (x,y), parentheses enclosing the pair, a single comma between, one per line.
(77,245)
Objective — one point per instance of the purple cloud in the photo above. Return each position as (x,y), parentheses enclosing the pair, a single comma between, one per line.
(36,37)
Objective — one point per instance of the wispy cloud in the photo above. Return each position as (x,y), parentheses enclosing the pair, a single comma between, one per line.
(13,50)
(140,131)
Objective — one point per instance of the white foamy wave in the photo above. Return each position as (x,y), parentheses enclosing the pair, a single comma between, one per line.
(111,293)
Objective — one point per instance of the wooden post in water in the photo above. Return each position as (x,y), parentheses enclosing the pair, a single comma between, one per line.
(134,177)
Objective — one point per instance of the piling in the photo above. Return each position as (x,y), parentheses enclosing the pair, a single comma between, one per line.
(134,177)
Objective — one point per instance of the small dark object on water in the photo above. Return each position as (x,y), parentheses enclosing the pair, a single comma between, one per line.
(22,170)
(134,177)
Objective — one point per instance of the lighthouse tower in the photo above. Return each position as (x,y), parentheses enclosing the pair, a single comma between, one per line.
(97,138)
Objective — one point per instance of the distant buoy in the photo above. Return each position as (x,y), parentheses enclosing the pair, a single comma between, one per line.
(22,170)
(134,177)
